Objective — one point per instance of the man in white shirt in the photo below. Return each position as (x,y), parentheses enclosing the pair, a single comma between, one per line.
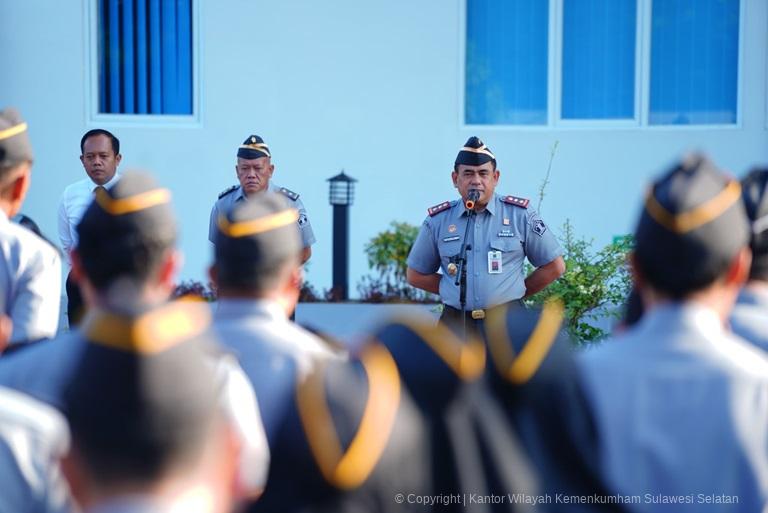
(100,155)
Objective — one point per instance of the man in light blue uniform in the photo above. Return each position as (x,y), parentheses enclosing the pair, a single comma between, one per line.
(30,268)
(749,318)
(504,232)
(681,404)
(254,171)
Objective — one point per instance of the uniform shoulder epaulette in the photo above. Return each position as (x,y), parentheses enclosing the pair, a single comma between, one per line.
(289,193)
(518,202)
(445,205)
(228,190)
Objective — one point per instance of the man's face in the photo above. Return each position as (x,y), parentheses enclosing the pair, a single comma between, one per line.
(254,174)
(99,159)
(484,178)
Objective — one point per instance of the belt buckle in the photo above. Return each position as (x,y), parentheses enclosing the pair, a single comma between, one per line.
(478,314)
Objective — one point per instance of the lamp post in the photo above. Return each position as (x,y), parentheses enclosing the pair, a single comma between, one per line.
(342,191)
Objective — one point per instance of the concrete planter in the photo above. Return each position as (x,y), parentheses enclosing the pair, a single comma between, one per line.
(350,322)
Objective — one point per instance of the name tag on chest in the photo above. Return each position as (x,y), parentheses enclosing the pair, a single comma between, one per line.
(451,239)
(505,233)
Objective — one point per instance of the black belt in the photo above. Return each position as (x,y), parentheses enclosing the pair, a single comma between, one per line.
(476,315)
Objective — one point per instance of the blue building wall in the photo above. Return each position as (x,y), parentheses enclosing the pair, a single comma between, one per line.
(375,88)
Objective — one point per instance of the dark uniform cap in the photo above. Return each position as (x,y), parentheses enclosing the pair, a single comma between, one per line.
(128,214)
(474,153)
(253,148)
(257,234)
(143,393)
(754,187)
(15,147)
(692,224)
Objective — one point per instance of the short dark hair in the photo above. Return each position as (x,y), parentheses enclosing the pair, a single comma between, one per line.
(100,131)
(248,278)
(680,275)
(139,260)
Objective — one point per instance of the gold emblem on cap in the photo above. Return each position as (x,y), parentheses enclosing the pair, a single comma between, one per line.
(253,139)
(452,269)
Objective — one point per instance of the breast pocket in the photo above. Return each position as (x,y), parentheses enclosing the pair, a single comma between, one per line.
(448,250)
(511,250)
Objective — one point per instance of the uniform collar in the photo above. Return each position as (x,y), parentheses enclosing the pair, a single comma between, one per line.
(690,315)
(754,294)
(107,185)
(490,207)
(241,193)
(238,308)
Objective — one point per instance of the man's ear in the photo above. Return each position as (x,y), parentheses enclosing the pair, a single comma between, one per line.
(455,177)
(213,275)
(17,189)
(170,267)
(78,273)
(738,270)
(118,158)
(637,274)
(73,473)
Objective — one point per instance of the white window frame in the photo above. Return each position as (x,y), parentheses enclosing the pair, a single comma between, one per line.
(642,78)
(91,79)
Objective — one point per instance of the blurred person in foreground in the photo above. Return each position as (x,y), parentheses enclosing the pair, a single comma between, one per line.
(30,269)
(257,271)
(680,402)
(750,315)
(147,431)
(419,414)
(125,264)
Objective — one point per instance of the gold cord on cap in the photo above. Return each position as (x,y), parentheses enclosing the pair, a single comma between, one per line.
(520,368)
(701,215)
(14,130)
(260,225)
(142,201)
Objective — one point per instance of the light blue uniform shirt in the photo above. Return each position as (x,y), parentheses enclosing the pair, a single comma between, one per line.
(227,201)
(681,408)
(30,282)
(272,350)
(749,318)
(516,232)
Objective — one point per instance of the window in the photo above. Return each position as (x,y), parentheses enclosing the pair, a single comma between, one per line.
(506,71)
(145,56)
(598,73)
(558,62)
(694,59)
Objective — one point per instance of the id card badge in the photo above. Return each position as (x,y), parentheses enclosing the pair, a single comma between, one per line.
(494,262)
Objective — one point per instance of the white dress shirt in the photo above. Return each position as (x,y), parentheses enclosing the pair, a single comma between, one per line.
(30,282)
(74,201)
